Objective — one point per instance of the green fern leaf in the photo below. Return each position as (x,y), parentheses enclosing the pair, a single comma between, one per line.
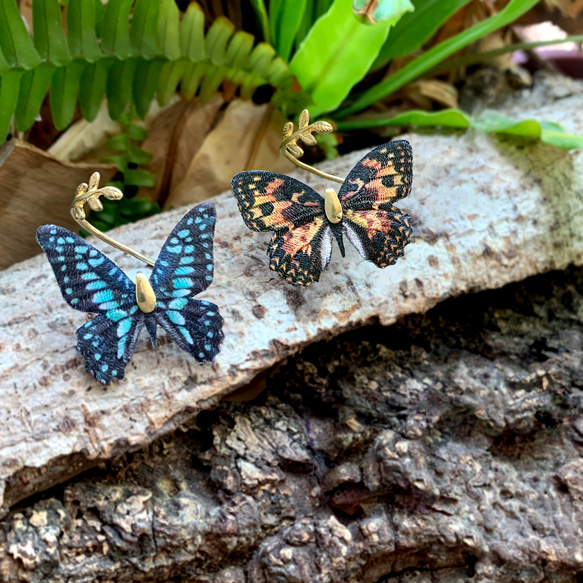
(9,87)
(102,54)
(144,29)
(145,84)
(192,41)
(81,27)
(49,36)
(92,88)
(168,39)
(64,92)
(119,85)
(33,88)
(115,38)
(15,42)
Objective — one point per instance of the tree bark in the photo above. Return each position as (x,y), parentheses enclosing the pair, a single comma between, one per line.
(446,447)
(485,211)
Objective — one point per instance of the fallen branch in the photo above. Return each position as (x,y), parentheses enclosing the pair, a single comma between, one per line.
(485,212)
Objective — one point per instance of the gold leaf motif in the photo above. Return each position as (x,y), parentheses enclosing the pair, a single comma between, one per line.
(304,119)
(295,150)
(94,204)
(111,192)
(288,130)
(94,181)
(322,127)
(309,139)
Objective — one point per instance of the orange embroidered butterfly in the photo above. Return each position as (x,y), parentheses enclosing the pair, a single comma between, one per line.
(304,225)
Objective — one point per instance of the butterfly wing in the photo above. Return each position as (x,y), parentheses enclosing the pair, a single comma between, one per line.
(90,282)
(301,247)
(300,255)
(273,202)
(107,345)
(375,227)
(183,269)
(380,236)
(382,177)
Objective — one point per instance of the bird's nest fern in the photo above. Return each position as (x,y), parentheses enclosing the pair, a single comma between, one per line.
(126,51)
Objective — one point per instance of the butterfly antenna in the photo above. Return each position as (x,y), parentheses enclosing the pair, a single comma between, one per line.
(89,194)
(290,149)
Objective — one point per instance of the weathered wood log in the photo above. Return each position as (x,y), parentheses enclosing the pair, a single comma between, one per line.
(486,212)
(444,448)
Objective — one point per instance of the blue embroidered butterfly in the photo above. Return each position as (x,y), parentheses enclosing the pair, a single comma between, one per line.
(90,282)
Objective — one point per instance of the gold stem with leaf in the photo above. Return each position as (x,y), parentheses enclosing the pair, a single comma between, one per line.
(290,149)
(89,194)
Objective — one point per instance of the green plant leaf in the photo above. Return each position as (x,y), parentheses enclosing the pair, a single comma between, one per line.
(260,59)
(139,156)
(168,35)
(120,160)
(64,92)
(33,87)
(144,28)
(549,132)
(9,87)
(145,84)
(81,16)
(138,133)
(474,58)
(49,36)
(262,18)
(436,54)
(115,36)
(211,82)
(15,42)
(448,118)
(285,25)
(92,88)
(139,177)
(135,208)
(416,28)
(336,55)
(170,76)
(119,143)
(192,41)
(120,79)
(239,49)
(217,38)
(193,74)
(489,121)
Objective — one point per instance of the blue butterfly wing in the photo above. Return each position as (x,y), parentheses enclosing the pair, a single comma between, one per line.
(183,269)
(195,325)
(108,345)
(90,282)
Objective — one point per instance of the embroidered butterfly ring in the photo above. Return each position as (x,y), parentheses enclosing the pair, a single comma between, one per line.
(305,223)
(90,282)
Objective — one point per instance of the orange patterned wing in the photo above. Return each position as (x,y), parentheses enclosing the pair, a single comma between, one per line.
(273,202)
(380,178)
(300,255)
(379,235)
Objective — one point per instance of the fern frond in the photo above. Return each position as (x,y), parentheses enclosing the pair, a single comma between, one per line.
(128,52)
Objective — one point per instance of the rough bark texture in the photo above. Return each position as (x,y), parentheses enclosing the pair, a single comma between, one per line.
(485,211)
(446,448)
